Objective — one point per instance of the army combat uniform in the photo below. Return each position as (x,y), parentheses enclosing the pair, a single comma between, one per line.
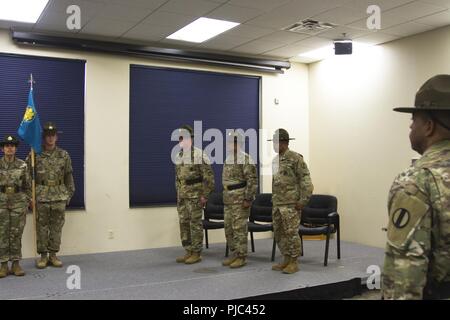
(239,179)
(194,178)
(15,196)
(291,185)
(417,258)
(54,189)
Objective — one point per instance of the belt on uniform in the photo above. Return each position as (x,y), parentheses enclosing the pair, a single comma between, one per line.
(10,189)
(236,186)
(193,181)
(437,291)
(50,183)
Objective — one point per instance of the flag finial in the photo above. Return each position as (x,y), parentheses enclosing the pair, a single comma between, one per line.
(31,81)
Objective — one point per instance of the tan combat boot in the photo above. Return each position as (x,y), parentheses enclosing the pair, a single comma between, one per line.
(292,266)
(42,262)
(281,266)
(194,258)
(239,262)
(229,260)
(54,261)
(4,270)
(183,259)
(16,269)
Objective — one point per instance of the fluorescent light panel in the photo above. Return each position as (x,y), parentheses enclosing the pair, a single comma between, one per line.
(27,11)
(202,29)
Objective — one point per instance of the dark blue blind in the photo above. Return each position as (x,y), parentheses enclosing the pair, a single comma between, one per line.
(58,97)
(162,100)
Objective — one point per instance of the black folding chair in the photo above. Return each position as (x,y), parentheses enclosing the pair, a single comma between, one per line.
(320,217)
(213,211)
(261,211)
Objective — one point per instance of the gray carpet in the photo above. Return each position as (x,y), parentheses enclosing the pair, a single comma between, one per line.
(153,274)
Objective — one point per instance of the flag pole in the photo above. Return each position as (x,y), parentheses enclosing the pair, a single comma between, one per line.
(33,201)
(33,187)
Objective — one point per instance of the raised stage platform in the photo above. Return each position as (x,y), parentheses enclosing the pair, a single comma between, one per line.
(153,274)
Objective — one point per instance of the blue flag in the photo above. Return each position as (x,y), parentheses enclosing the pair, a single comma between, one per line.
(30,129)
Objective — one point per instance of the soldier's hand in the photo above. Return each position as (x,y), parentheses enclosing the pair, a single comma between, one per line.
(31,204)
(246,204)
(203,201)
(298,206)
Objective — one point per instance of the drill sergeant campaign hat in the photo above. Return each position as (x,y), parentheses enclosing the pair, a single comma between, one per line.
(9,140)
(433,96)
(281,135)
(49,129)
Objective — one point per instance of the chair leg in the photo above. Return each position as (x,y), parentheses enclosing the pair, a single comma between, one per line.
(206,239)
(274,247)
(252,241)
(327,245)
(301,245)
(227,249)
(338,238)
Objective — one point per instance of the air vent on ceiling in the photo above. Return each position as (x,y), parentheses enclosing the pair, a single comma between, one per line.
(310,26)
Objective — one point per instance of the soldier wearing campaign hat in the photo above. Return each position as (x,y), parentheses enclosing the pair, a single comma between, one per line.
(239,179)
(417,260)
(54,189)
(15,196)
(194,181)
(291,191)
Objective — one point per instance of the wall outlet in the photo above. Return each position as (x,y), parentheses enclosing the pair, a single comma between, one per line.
(110,234)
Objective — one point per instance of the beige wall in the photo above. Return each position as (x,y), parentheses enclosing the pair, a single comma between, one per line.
(358,144)
(107,96)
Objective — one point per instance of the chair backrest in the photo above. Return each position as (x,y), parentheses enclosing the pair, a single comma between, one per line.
(261,209)
(318,208)
(214,206)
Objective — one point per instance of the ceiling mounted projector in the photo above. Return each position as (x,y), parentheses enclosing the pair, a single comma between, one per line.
(342,47)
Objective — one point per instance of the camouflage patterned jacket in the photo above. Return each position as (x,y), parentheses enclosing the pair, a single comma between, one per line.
(418,246)
(16,176)
(194,176)
(237,170)
(54,179)
(291,182)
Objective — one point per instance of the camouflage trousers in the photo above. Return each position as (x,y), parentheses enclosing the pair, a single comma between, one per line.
(190,214)
(12,223)
(236,228)
(50,221)
(286,223)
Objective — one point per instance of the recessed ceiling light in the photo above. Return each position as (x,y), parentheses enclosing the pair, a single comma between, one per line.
(22,10)
(202,29)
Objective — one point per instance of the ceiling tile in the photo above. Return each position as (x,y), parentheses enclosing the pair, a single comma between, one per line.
(124,12)
(407,29)
(55,21)
(376,38)
(107,27)
(257,47)
(248,31)
(341,15)
(234,13)
(148,32)
(88,9)
(362,5)
(338,33)
(192,7)
(441,3)
(314,42)
(436,20)
(169,19)
(224,42)
(265,5)
(150,4)
(288,51)
(284,37)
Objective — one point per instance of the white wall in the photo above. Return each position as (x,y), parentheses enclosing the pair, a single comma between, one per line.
(358,144)
(106,145)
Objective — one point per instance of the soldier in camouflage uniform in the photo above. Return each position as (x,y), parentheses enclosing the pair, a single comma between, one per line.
(54,189)
(194,180)
(239,181)
(417,260)
(15,196)
(291,191)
